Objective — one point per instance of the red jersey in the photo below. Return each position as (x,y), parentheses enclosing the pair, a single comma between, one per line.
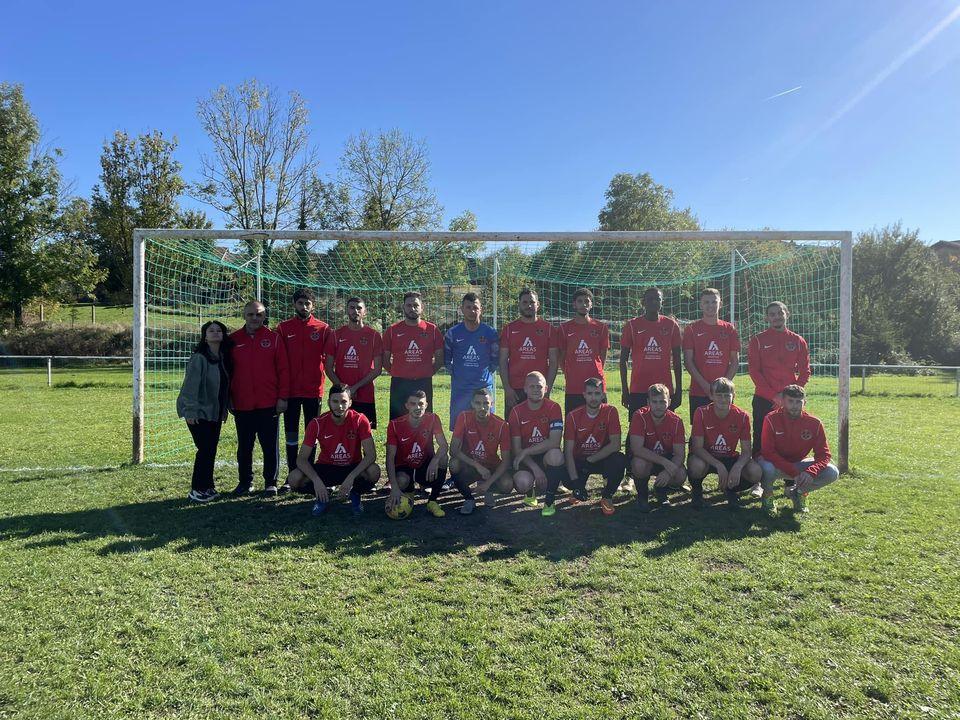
(712,347)
(786,441)
(338,444)
(582,346)
(414,445)
(534,426)
(305,342)
(651,347)
(261,374)
(590,434)
(658,438)
(529,349)
(777,359)
(411,348)
(482,441)
(721,437)
(353,352)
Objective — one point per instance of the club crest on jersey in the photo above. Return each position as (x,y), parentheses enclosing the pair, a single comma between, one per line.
(805,434)
(594,333)
(314,336)
(791,346)
(733,428)
(482,339)
(539,332)
(490,437)
(423,333)
(351,435)
(264,343)
(602,426)
(364,341)
(665,330)
(724,335)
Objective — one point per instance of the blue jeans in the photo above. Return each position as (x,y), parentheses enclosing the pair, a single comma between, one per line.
(771,473)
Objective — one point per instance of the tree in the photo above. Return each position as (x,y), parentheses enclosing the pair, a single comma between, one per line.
(905,307)
(74,262)
(139,186)
(636,202)
(262,159)
(464,222)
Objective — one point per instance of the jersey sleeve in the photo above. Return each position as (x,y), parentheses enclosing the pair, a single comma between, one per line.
(313,431)
(282,365)
(386,341)
(569,433)
(636,425)
(755,368)
(514,422)
(448,350)
(554,335)
(821,451)
(803,364)
(734,346)
(330,345)
(437,338)
(626,337)
(494,350)
(504,441)
(687,340)
(556,418)
(679,433)
(614,428)
(459,426)
(744,429)
(392,434)
(437,429)
(363,428)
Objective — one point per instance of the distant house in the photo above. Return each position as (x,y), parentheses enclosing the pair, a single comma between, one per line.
(949,253)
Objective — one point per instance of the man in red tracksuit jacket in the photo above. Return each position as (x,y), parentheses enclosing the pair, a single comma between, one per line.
(259,390)
(305,339)
(789,436)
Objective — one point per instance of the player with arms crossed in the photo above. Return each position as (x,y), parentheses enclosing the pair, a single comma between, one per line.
(528,344)
(718,428)
(345,455)
(411,458)
(651,345)
(777,357)
(658,445)
(591,445)
(790,434)
(471,351)
(536,428)
(412,354)
(355,359)
(711,350)
(583,349)
(480,452)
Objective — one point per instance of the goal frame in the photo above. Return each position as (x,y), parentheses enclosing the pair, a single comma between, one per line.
(843,238)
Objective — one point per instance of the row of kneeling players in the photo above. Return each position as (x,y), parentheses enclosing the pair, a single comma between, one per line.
(537,451)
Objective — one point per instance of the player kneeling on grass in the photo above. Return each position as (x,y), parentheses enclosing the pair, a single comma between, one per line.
(536,427)
(592,445)
(658,445)
(480,440)
(718,428)
(346,455)
(789,435)
(411,458)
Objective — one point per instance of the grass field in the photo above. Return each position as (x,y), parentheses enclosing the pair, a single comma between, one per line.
(122,600)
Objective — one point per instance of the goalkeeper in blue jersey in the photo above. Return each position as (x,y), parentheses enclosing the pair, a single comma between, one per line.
(471,351)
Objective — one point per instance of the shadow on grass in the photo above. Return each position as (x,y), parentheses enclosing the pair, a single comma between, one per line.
(506,531)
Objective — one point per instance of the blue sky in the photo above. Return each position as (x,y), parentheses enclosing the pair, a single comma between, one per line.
(529,108)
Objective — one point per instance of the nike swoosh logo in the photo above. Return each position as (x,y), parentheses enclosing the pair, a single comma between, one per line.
(459,339)
(700,334)
(400,334)
(404,439)
(291,336)
(570,334)
(524,422)
(327,437)
(514,332)
(641,331)
(710,427)
(767,347)
(471,432)
(778,432)
(649,434)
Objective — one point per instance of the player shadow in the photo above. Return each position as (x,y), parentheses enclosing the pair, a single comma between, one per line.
(508,530)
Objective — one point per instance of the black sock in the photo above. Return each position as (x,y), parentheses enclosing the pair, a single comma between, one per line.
(462,486)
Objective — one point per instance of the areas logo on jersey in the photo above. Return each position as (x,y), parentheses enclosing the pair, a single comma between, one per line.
(413,352)
(652,348)
(351,353)
(658,448)
(583,349)
(720,444)
(805,434)
(471,355)
(536,436)
(527,343)
(416,452)
(264,343)
(713,352)
(590,443)
(340,453)
(479,450)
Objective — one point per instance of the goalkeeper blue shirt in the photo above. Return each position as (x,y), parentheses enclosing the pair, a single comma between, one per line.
(471,357)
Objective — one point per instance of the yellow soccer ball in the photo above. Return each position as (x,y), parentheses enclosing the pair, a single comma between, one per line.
(401,510)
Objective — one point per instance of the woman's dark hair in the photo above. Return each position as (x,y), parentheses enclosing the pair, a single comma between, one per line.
(225,345)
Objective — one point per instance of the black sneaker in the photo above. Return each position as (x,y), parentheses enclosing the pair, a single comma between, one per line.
(733,500)
(663,498)
(696,500)
(243,488)
(199,496)
(643,504)
(211,494)
(284,489)
(270,491)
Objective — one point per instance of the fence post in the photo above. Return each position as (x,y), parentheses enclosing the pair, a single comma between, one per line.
(863,379)
(41,312)
(93,313)
(957,393)
(49,371)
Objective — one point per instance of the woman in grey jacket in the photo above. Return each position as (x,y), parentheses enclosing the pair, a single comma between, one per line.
(203,402)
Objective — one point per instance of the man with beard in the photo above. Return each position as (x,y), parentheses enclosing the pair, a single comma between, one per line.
(412,353)
(355,359)
(528,344)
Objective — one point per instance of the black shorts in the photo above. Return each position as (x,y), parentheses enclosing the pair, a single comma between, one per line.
(400,390)
(419,474)
(367,409)
(697,401)
(728,463)
(658,467)
(331,475)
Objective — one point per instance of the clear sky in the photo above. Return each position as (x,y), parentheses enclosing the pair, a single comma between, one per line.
(529,108)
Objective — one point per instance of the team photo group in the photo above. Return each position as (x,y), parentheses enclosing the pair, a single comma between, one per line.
(321,381)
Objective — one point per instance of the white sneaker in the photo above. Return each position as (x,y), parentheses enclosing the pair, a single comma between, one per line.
(756,491)
(198,496)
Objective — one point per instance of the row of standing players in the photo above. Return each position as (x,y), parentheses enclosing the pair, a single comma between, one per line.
(259,374)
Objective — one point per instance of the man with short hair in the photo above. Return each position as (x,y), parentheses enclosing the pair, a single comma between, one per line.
(592,446)
(305,339)
(658,448)
(355,359)
(471,350)
(345,455)
(411,458)
(650,344)
(790,434)
(777,357)
(711,350)
(718,428)
(259,388)
(583,345)
(480,452)
(536,427)
(412,354)
(528,344)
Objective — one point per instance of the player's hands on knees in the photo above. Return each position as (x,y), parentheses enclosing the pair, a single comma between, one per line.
(518,459)
(394,498)
(345,487)
(722,476)
(733,479)
(802,479)
(539,477)
(484,473)
(432,469)
(320,490)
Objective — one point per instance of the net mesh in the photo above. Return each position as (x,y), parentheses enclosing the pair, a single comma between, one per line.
(190,281)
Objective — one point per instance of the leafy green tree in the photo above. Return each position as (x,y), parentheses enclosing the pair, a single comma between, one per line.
(464,222)
(636,202)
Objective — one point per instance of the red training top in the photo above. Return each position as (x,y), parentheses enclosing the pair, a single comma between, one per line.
(712,346)
(338,444)
(534,426)
(353,352)
(590,434)
(411,349)
(658,438)
(786,441)
(261,374)
(414,445)
(651,347)
(581,345)
(721,437)
(305,342)
(529,349)
(777,359)
(481,441)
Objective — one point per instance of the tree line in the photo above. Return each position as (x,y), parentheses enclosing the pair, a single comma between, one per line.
(261,171)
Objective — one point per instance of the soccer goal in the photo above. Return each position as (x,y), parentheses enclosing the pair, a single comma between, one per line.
(183,278)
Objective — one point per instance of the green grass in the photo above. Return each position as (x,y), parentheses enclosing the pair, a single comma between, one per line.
(122,600)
